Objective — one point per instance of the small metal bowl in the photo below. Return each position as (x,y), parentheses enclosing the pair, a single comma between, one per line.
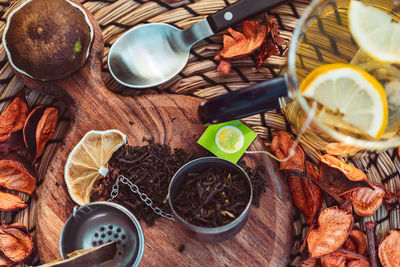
(101,222)
(209,234)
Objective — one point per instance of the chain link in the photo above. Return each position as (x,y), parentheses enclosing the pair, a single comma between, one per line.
(135,189)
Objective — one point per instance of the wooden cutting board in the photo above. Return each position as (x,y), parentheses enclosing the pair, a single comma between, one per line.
(172,120)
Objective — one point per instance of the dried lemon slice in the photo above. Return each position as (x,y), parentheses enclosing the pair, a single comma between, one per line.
(88,162)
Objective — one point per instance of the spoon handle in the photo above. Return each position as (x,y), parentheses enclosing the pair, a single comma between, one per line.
(239,11)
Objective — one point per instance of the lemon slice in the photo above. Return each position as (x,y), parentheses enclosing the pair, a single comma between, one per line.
(88,162)
(375,32)
(352,93)
(229,139)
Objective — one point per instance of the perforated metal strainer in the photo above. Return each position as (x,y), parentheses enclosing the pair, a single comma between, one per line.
(98,223)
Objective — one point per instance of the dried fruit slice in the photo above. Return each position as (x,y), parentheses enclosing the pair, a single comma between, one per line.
(17,173)
(351,172)
(356,242)
(88,162)
(389,250)
(39,128)
(340,149)
(335,259)
(334,227)
(281,145)
(239,44)
(5,262)
(10,202)
(336,182)
(13,118)
(366,201)
(15,243)
(306,196)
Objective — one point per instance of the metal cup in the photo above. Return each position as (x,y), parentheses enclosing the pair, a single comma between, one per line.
(209,234)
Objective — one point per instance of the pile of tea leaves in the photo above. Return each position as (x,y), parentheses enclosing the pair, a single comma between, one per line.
(213,197)
(151,167)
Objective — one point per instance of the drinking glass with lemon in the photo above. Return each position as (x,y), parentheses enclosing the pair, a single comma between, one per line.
(343,71)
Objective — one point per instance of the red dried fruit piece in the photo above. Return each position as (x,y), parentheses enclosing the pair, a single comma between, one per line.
(366,201)
(10,202)
(351,172)
(13,118)
(358,263)
(306,196)
(340,149)
(390,200)
(281,145)
(356,242)
(17,173)
(39,128)
(15,243)
(4,261)
(273,39)
(238,44)
(334,259)
(334,227)
(335,180)
(14,143)
(344,258)
(224,67)
(389,249)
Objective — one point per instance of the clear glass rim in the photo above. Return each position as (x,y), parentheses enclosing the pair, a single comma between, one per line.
(295,94)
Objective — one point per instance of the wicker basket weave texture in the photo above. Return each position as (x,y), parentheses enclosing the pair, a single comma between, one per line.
(199,78)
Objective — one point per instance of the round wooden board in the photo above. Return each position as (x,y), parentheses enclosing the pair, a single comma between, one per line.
(171,120)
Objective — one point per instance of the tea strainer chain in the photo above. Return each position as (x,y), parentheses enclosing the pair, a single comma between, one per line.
(135,189)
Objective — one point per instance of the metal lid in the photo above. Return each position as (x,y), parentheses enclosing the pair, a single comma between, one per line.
(98,223)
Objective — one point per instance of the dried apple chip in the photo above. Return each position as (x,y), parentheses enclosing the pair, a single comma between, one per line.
(15,243)
(16,173)
(13,118)
(340,149)
(389,250)
(39,128)
(334,259)
(334,227)
(351,172)
(281,145)
(10,202)
(239,44)
(356,242)
(366,201)
(306,196)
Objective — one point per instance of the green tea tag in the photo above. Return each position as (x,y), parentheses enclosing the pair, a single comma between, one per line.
(227,140)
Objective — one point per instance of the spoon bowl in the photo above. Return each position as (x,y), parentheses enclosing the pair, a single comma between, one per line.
(148,55)
(151,54)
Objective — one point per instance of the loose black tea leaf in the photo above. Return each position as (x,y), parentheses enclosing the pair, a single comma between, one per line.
(212,198)
(151,167)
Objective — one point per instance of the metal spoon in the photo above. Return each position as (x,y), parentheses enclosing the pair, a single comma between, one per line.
(151,54)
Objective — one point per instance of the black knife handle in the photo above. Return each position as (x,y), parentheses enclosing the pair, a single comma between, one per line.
(239,11)
(245,102)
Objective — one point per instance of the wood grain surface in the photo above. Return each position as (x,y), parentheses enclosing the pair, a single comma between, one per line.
(172,120)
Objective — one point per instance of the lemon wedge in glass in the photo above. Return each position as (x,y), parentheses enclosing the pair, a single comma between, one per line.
(351,93)
(88,162)
(375,32)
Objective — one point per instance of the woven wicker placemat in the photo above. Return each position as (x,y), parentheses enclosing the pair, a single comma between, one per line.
(199,78)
